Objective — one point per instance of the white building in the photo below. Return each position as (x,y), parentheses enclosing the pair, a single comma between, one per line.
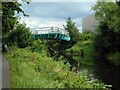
(89,23)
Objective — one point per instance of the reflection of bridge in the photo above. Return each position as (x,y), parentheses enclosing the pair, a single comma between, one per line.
(51,33)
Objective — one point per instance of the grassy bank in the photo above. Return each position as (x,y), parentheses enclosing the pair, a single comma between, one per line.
(37,70)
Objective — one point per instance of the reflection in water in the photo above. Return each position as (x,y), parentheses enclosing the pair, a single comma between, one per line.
(109,73)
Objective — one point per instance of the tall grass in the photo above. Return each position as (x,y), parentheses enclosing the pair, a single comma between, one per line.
(37,70)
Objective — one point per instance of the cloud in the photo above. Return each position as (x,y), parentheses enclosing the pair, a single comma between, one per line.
(45,14)
(61,0)
(34,22)
(58,10)
(41,22)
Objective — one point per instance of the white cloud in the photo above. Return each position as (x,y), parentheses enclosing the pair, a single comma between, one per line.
(60,10)
(46,14)
(63,0)
(34,22)
(41,22)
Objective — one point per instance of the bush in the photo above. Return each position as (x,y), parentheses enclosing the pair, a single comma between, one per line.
(84,44)
(114,57)
(38,45)
(35,70)
(20,36)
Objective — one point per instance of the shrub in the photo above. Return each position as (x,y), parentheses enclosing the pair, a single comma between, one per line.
(20,36)
(35,70)
(114,57)
(38,45)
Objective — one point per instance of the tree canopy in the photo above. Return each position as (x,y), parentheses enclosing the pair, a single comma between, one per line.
(20,36)
(9,18)
(108,15)
(72,29)
(107,42)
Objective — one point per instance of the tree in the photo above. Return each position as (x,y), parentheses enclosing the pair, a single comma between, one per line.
(74,34)
(72,29)
(20,36)
(108,13)
(61,46)
(9,20)
(107,42)
(108,16)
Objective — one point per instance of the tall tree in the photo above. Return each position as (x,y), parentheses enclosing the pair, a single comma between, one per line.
(9,19)
(107,42)
(72,29)
(108,15)
(20,36)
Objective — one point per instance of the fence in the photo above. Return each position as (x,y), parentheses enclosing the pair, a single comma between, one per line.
(48,30)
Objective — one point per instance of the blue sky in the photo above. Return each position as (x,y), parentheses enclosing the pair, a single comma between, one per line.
(45,14)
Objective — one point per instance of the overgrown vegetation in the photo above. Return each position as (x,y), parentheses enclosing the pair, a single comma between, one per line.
(35,70)
(20,36)
(10,17)
(9,20)
(35,64)
(73,31)
(107,42)
(86,44)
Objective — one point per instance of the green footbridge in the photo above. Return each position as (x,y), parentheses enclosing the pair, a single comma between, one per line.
(51,33)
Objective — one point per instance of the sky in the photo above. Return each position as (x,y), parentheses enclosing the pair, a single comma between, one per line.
(46,14)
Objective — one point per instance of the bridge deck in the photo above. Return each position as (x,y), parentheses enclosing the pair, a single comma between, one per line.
(51,33)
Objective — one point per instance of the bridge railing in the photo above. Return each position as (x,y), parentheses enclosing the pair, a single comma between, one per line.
(47,30)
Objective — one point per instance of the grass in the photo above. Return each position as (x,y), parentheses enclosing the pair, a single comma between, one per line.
(37,70)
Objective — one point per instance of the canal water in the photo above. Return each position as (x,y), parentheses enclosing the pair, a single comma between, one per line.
(109,73)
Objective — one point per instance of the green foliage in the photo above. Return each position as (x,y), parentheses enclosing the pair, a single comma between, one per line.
(72,29)
(38,45)
(20,36)
(35,70)
(9,20)
(115,58)
(108,13)
(57,46)
(85,44)
(86,36)
(107,40)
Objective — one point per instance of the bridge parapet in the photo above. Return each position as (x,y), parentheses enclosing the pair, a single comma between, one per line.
(48,30)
